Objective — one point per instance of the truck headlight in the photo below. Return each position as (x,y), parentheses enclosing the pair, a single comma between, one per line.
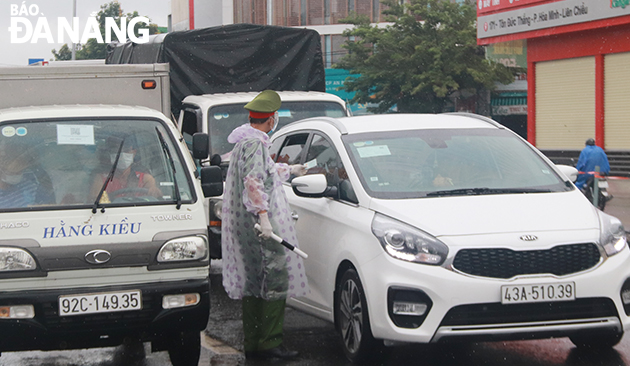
(408,243)
(612,234)
(15,259)
(189,248)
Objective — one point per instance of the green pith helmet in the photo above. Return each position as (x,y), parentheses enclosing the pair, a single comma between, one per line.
(267,101)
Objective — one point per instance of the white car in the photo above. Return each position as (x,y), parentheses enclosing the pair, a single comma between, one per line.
(427,228)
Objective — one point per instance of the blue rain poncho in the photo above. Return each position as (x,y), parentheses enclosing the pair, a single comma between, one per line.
(591,156)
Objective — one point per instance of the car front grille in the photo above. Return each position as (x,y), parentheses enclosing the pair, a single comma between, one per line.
(506,263)
(497,313)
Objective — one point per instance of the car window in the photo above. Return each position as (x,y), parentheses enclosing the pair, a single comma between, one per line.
(190,125)
(68,162)
(416,163)
(292,148)
(323,158)
(275,148)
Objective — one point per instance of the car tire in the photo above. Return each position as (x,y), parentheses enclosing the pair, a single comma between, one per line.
(596,342)
(184,348)
(352,321)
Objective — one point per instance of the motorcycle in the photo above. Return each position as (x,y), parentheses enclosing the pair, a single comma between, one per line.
(596,190)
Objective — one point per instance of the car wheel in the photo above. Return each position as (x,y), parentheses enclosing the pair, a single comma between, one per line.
(596,342)
(184,348)
(352,320)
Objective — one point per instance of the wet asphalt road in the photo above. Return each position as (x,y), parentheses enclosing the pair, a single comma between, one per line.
(318,345)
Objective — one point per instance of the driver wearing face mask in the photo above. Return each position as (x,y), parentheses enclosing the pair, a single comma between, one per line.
(130,177)
(19,186)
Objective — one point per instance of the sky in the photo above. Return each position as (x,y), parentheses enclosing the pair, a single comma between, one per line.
(13,53)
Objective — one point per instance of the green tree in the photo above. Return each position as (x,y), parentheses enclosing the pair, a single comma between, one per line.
(429,53)
(65,53)
(94,50)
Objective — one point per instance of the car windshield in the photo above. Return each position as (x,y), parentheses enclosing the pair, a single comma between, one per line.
(48,164)
(225,118)
(447,162)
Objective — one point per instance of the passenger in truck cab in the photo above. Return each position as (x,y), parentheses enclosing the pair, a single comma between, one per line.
(130,177)
(22,184)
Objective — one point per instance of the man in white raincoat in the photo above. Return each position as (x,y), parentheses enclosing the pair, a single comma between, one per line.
(256,268)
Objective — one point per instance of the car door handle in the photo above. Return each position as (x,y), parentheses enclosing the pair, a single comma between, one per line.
(294,215)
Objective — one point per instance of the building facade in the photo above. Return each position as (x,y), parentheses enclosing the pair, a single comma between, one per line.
(320,15)
(578,68)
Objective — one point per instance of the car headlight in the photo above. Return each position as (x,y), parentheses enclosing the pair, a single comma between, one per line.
(183,249)
(408,243)
(612,234)
(15,259)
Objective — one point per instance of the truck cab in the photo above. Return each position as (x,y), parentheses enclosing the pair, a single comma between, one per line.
(219,114)
(103,234)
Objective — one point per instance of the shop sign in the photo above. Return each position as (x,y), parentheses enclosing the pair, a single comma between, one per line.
(510,54)
(507,110)
(487,6)
(548,15)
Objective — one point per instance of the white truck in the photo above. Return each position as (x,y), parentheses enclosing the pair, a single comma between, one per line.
(103,230)
(145,85)
(218,114)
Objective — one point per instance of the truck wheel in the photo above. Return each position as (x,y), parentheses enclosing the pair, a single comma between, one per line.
(596,342)
(353,322)
(184,348)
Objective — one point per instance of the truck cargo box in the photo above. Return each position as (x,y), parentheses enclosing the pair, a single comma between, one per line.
(232,58)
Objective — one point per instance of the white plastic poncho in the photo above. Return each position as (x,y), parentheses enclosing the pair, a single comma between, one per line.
(253,266)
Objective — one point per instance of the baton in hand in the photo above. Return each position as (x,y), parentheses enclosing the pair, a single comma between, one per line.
(284,242)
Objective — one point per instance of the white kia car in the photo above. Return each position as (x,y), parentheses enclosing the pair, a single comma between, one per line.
(428,228)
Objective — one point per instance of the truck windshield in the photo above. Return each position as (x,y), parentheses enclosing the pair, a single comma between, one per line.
(223,119)
(49,164)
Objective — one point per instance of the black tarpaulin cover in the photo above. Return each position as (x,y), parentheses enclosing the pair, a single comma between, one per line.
(232,58)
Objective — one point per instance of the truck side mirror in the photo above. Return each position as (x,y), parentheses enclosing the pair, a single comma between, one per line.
(200,145)
(211,181)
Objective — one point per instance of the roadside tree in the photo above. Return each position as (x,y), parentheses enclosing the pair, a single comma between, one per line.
(421,60)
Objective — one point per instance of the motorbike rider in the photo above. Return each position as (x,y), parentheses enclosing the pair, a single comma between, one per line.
(591,159)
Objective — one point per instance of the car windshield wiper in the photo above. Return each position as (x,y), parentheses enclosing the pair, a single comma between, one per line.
(481,191)
(167,151)
(110,176)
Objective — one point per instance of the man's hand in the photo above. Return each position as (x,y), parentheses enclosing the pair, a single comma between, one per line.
(298,169)
(265,226)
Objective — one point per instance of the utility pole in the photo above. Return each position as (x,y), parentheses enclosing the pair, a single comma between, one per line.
(74,14)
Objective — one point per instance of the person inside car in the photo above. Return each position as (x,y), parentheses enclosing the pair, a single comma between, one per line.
(19,183)
(130,178)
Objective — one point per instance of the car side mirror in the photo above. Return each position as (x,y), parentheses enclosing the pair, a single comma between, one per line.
(569,172)
(200,145)
(313,186)
(211,181)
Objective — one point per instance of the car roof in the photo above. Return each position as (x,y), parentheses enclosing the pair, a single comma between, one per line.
(399,122)
(77,110)
(209,100)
